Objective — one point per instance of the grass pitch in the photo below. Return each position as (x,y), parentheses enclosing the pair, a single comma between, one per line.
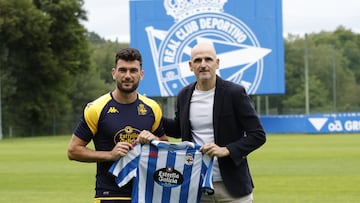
(287,169)
(307,168)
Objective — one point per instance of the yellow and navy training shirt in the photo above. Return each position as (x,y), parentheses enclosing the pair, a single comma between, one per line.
(106,122)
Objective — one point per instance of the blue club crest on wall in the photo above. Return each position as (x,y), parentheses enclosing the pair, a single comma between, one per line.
(246,35)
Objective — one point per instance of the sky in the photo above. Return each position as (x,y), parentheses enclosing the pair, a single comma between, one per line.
(110,18)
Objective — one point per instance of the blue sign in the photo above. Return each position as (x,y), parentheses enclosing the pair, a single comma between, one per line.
(247,36)
(313,123)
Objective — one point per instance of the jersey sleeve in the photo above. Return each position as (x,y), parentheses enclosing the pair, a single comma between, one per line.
(93,111)
(207,186)
(83,131)
(124,169)
(88,125)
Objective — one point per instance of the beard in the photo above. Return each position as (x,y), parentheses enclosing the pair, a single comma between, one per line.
(205,76)
(127,88)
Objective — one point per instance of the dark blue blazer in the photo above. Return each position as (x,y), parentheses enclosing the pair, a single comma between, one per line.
(236,126)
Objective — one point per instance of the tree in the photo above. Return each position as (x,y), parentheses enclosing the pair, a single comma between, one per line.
(332,73)
(47,49)
(103,55)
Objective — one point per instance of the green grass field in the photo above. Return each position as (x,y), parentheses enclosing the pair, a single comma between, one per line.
(287,169)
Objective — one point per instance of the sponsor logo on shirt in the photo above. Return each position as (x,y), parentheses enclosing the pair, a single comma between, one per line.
(168,177)
(112,110)
(128,134)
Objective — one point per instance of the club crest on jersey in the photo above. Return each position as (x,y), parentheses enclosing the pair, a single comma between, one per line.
(197,21)
(168,177)
(189,159)
(127,134)
(141,109)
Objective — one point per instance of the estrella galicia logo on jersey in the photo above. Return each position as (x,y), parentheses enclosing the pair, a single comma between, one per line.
(141,109)
(168,177)
(128,134)
(112,110)
(239,51)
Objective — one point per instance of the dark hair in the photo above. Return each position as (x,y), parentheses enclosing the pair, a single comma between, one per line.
(128,54)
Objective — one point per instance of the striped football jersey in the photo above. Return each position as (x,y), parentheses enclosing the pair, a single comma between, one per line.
(165,172)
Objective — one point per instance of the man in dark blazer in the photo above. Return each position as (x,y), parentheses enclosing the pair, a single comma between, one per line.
(220,116)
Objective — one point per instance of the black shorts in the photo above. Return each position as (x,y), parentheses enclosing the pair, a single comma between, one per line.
(112,200)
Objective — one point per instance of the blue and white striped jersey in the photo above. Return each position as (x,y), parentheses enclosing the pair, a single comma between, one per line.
(165,172)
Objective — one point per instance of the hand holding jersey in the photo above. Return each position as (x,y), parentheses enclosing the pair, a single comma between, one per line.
(122,148)
(145,137)
(213,149)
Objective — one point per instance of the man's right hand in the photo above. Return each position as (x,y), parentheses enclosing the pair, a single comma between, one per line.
(120,150)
